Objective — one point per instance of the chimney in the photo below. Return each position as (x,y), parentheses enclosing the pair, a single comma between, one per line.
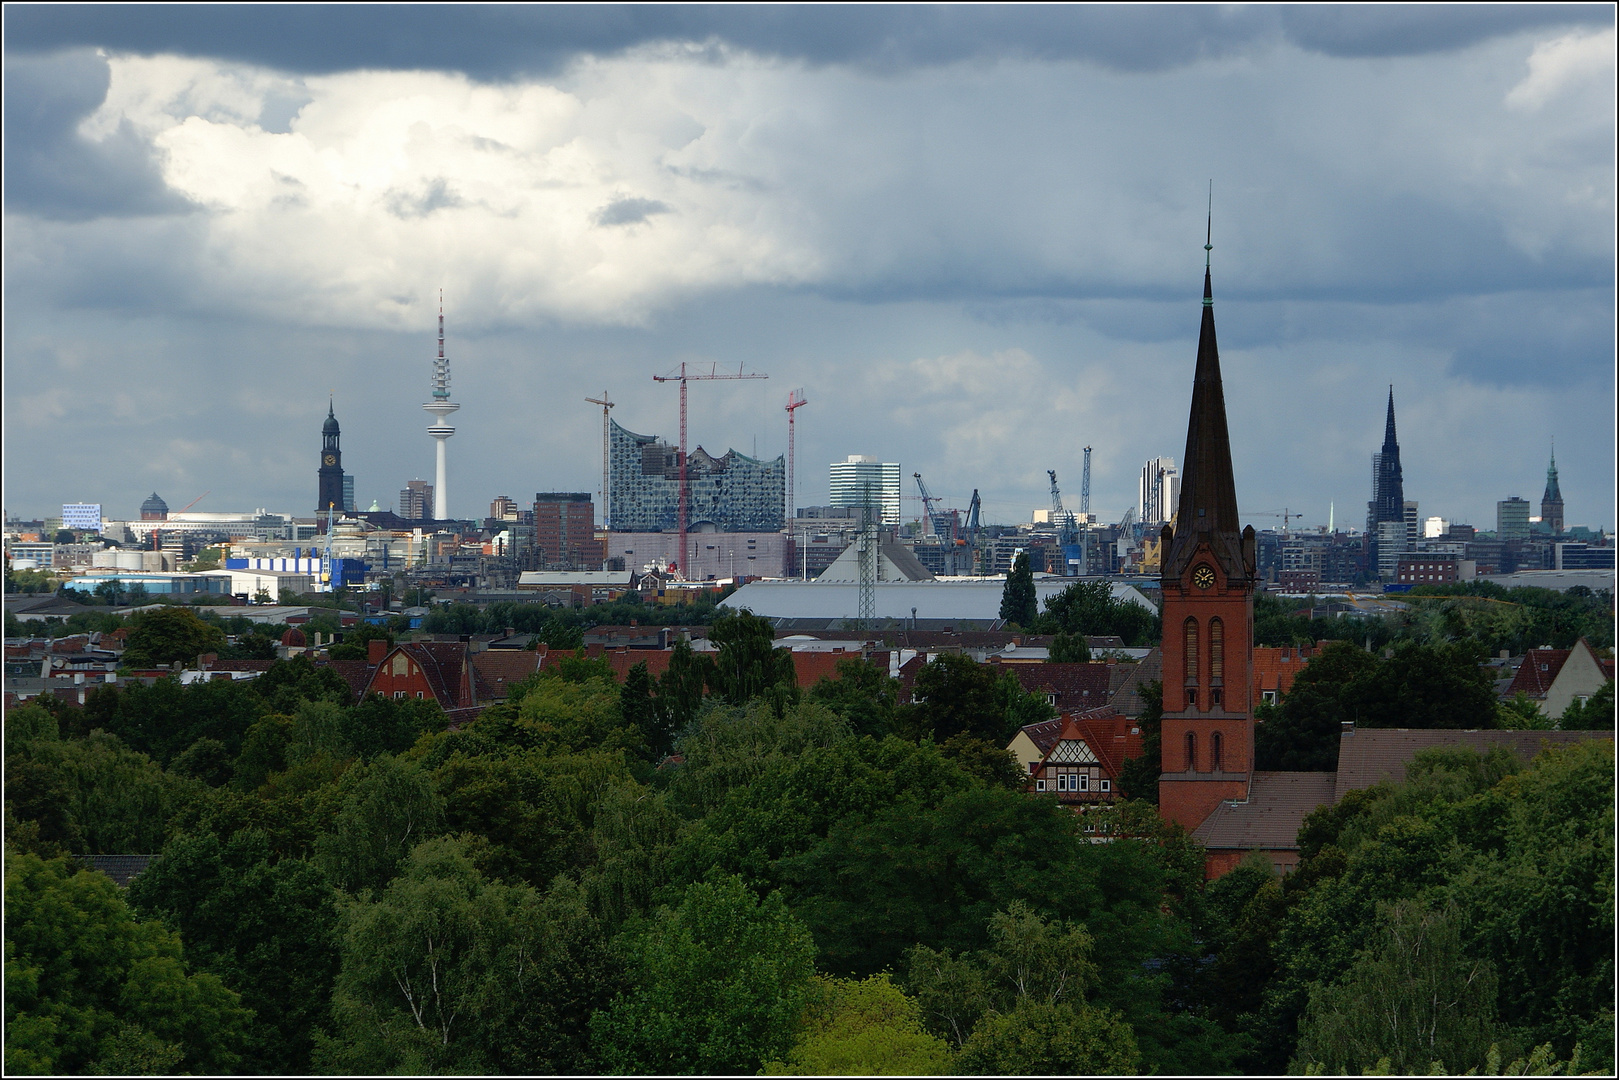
(1348,728)
(376,650)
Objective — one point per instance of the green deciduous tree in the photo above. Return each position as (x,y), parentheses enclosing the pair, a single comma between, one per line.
(748,664)
(867,1027)
(447,971)
(1089,607)
(1069,648)
(1046,1040)
(863,694)
(158,638)
(1019,604)
(88,986)
(1413,997)
(388,807)
(1596,713)
(719,985)
(259,923)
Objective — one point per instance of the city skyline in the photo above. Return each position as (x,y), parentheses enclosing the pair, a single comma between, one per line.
(974,246)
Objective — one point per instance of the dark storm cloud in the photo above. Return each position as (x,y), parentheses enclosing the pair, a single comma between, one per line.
(54,172)
(508,42)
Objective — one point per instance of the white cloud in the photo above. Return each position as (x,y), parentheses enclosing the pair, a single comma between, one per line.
(1580,62)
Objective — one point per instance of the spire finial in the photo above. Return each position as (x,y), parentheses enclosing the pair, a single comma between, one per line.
(1208,246)
(1208,239)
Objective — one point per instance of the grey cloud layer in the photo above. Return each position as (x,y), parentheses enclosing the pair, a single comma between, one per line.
(509,42)
(973,267)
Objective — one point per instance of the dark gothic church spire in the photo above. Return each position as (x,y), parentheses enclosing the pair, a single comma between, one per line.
(1389,498)
(1207,512)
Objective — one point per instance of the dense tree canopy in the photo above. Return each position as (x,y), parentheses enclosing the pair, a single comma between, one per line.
(716,871)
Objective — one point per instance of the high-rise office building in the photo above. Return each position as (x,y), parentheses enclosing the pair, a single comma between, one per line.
(1159,489)
(565,531)
(348,492)
(416,501)
(1512,519)
(734,493)
(853,477)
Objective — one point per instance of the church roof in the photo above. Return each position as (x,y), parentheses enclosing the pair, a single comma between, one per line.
(1207,512)
(330,427)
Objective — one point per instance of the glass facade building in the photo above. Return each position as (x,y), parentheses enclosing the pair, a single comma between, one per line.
(851,476)
(731,494)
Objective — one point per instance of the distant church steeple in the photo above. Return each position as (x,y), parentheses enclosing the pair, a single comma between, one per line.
(1551,503)
(330,485)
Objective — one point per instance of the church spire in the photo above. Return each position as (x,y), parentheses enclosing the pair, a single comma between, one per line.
(1207,512)
(1390,442)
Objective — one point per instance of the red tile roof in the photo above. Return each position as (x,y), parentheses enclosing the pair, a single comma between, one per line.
(1537,672)
(495,669)
(1045,734)
(1269,819)
(1113,737)
(1076,687)
(357,673)
(1276,667)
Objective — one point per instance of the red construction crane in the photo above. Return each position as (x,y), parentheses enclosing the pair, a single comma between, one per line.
(193,502)
(682,376)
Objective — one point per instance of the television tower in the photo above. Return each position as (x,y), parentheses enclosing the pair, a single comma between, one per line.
(440,407)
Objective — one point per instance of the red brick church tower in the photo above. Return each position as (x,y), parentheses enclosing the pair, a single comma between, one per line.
(1208,577)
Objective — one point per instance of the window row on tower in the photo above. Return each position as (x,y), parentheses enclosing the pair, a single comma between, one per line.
(1216,666)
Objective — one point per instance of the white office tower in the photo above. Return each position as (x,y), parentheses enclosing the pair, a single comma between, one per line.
(1159,490)
(851,478)
(440,407)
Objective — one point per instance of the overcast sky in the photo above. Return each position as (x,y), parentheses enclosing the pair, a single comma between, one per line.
(973,236)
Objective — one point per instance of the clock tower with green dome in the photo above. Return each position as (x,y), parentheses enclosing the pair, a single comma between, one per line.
(331,468)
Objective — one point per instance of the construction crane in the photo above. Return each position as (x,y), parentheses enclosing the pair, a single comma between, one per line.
(1085,515)
(972,532)
(194,502)
(795,401)
(1284,514)
(606,403)
(683,376)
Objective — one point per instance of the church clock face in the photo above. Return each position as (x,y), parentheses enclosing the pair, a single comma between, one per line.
(1203,577)
(331,459)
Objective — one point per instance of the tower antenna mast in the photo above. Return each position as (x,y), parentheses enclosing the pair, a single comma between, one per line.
(606,403)
(440,407)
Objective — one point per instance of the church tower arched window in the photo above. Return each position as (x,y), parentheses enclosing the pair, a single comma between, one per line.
(1191,751)
(1216,752)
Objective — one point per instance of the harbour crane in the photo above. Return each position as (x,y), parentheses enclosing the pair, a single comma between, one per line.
(941,522)
(1062,519)
(683,376)
(972,531)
